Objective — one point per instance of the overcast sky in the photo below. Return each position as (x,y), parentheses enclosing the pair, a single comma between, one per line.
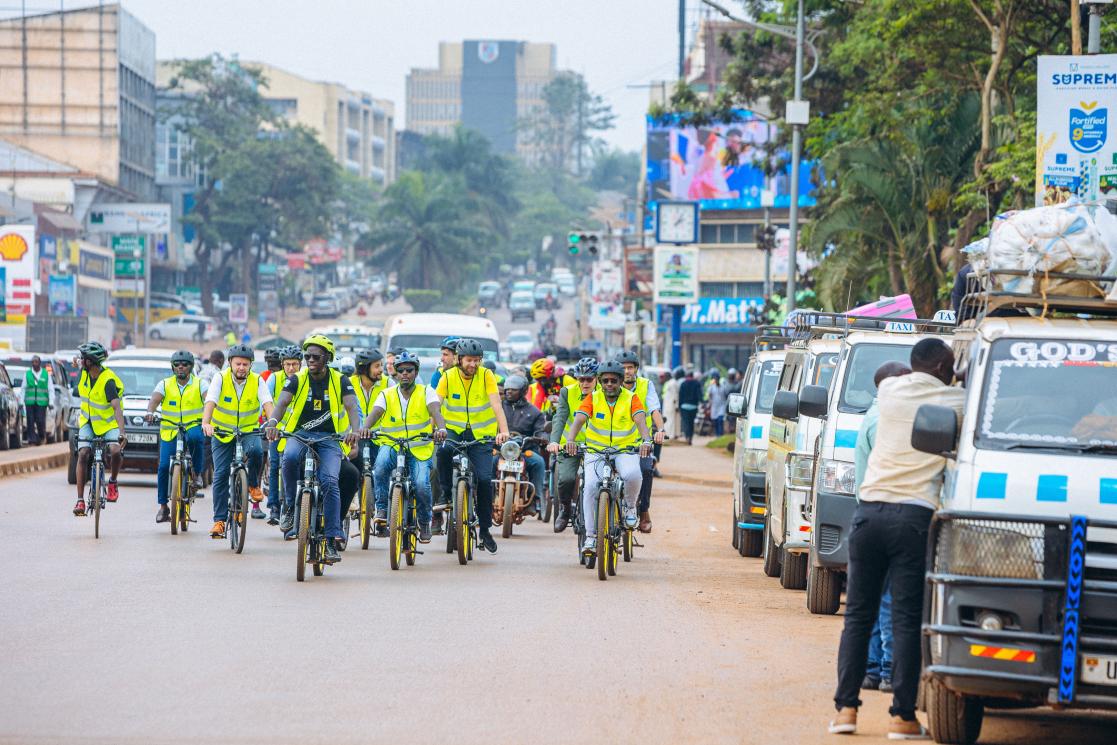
(371,44)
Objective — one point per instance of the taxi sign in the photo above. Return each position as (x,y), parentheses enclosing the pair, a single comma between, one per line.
(945,316)
(899,327)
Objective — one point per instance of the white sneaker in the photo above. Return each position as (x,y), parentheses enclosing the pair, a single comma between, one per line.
(589,548)
(631,520)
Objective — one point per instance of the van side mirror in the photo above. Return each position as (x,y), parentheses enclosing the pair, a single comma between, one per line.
(935,430)
(814,401)
(786,405)
(736,404)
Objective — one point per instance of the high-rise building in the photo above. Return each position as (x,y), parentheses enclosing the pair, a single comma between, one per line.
(78,86)
(487,86)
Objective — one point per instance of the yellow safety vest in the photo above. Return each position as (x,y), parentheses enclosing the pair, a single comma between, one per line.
(96,410)
(416,420)
(641,390)
(574,398)
(365,402)
(467,406)
(611,426)
(338,413)
(180,406)
(237,411)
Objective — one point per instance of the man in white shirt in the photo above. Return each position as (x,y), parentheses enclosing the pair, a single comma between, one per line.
(888,538)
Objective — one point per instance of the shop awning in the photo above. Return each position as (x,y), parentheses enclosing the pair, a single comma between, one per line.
(61,220)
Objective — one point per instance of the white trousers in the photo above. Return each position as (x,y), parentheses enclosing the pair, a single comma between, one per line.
(628,466)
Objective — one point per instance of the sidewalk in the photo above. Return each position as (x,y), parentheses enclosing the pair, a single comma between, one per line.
(697,464)
(29,459)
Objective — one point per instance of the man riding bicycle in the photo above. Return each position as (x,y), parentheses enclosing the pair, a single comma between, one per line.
(566,466)
(234,401)
(449,351)
(291,357)
(369,381)
(544,392)
(529,421)
(646,392)
(100,415)
(406,410)
(322,404)
(613,417)
(473,410)
(180,401)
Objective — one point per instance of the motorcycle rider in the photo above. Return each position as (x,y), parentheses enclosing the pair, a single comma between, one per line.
(180,401)
(100,415)
(529,421)
(566,466)
(292,359)
(646,392)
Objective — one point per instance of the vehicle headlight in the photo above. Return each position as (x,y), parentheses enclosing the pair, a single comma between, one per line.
(510,450)
(799,468)
(837,476)
(990,548)
(756,459)
(138,421)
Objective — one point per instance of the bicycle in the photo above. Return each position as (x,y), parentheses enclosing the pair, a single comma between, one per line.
(238,488)
(367,496)
(182,491)
(403,508)
(311,510)
(613,536)
(97,488)
(548,501)
(461,536)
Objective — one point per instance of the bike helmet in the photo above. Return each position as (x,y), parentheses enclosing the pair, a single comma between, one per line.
(345,365)
(320,340)
(611,367)
(407,358)
(291,352)
(587,368)
(240,350)
(542,368)
(451,343)
(469,348)
(273,355)
(515,382)
(182,355)
(94,350)
(629,358)
(368,356)
(489,364)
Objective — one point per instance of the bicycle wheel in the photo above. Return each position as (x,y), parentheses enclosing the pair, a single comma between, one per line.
(547,504)
(604,534)
(627,545)
(615,528)
(461,523)
(303,507)
(510,489)
(175,495)
(184,515)
(238,512)
(396,534)
(96,486)
(366,517)
(411,535)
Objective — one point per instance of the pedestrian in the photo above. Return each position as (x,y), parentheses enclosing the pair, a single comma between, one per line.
(671,403)
(888,539)
(690,398)
(719,396)
(127,338)
(38,396)
(230,338)
(878,673)
(211,367)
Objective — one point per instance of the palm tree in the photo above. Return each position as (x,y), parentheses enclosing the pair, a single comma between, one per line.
(488,177)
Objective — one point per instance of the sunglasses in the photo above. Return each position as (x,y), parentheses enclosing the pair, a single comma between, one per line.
(313,356)
(587,379)
(181,364)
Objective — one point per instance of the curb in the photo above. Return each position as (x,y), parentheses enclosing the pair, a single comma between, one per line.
(31,465)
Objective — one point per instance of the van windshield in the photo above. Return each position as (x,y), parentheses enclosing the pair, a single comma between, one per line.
(858,388)
(824,367)
(1050,395)
(769,384)
(356,341)
(425,345)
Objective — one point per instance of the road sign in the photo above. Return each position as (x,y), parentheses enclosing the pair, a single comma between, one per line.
(238,308)
(130,253)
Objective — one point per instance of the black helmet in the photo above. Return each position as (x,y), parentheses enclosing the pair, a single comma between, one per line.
(612,367)
(629,358)
(94,350)
(273,355)
(489,364)
(182,355)
(291,352)
(240,350)
(368,356)
(469,348)
(515,382)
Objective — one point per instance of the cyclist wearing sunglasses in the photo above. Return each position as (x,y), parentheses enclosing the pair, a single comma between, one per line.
(180,401)
(566,466)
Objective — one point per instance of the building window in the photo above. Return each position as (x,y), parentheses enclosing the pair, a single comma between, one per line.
(731,289)
(709,233)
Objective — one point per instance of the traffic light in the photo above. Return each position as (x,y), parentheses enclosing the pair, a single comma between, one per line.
(576,242)
(766,238)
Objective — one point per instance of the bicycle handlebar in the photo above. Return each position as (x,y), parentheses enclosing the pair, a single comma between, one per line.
(411,440)
(609,450)
(462,445)
(238,432)
(321,437)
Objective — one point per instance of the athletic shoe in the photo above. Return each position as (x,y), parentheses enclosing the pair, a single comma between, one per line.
(845,723)
(113,492)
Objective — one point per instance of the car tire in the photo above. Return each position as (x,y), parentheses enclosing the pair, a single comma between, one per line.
(793,571)
(771,553)
(155,334)
(4,441)
(16,437)
(824,591)
(952,718)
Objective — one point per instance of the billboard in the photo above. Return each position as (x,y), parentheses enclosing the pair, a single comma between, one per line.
(488,91)
(127,218)
(62,293)
(20,268)
(676,275)
(720,165)
(1075,156)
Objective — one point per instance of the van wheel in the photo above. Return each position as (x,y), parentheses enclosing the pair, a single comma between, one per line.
(824,591)
(951,717)
(752,543)
(771,553)
(736,531)
(793,572)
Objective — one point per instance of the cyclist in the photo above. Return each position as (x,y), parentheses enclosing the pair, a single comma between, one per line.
(100,415)
(179,398)
(529,421)
(234,401)
(273,358)
(449,351)
(646,392)
(390,361)
(613,417)
(292,360)
(405,410)
(322,403)
(472,409)
(368,383)
(566,466)
(543,393)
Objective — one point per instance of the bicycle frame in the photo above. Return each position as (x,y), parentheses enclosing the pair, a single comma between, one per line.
(315,545)
(463,473)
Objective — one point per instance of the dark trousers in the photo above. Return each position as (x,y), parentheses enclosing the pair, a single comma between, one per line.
(688,416)
(36,424)
(886,542)
(348,483)
(481,458)
(647,465)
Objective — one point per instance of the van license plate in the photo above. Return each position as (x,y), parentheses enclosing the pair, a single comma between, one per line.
(1099,669)
(143,438)
(516,466)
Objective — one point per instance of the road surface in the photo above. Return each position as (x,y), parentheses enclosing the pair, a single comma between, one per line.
(144,637)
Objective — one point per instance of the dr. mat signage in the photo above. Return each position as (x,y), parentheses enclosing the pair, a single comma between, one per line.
(724,314)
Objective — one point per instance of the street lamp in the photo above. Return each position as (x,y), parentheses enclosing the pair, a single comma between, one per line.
(1093,35)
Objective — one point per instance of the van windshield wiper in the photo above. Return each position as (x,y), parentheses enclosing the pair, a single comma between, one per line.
(1076,448)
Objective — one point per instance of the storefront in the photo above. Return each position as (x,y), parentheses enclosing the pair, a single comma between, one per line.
(718,331)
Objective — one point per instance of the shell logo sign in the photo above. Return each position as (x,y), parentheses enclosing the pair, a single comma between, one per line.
(13,247)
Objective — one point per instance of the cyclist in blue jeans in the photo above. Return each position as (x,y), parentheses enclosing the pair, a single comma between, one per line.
(292,360)
(180,400)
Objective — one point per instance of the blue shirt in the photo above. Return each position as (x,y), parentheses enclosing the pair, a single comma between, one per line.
(866,438)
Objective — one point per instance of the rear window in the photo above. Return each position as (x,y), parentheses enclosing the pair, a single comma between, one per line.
(767,386)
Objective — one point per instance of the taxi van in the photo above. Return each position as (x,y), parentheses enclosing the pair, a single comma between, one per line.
(792,448)
(752,406)
(867,344)
(1021,603)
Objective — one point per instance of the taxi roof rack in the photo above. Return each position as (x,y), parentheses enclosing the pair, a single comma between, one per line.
(771,338)
(981,300)
(824,323)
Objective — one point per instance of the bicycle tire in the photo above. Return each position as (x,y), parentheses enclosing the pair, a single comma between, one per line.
(184,516)
(604,536)
(239,514)
(510,489)
(396,535)
(96,485)
(547,504)
(366,518)
(304,534)
(176,496)
(614,527)
(461,522)
(626,545)
(411,534)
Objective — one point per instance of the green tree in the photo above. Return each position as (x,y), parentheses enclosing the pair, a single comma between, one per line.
(565,128)
(489,177)
(615,170)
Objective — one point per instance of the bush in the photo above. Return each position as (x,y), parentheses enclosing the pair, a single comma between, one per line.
(422,301)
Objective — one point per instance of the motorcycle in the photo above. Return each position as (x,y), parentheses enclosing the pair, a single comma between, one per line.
(513,492)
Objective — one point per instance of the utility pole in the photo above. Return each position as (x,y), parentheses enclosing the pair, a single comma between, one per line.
(1075,28)
(682,38)
(677,310)
(796,153)
(1093,34)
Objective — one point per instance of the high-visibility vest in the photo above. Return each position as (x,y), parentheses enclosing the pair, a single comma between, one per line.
(415,420)
(365,402)
(36,388)
(338,413)
(95,407)
(574,399)
(641,391)
(467,406)
(180,406)
(611,426)
(237,411)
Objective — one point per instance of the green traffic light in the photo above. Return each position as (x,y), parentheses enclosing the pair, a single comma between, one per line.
(574,238)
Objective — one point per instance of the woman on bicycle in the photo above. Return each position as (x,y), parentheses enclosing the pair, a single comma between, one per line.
(179,400)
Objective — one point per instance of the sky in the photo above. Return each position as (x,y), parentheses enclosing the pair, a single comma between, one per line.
(371,44)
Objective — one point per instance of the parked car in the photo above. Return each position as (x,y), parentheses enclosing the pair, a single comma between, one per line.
(518,344)
(185,328)
(325,305)
(145,354)
(523,285)
(567,286)
(11,413)
(522,305)
(57,415)
(547,295)
(489,293)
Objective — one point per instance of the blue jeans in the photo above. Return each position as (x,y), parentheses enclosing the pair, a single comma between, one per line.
(196,443)
(536,470)
(880,644)
(273,474)
(420,475)
(222,460)
(329,465)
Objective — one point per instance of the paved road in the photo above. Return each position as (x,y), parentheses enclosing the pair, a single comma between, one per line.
(564,317)
(142,637)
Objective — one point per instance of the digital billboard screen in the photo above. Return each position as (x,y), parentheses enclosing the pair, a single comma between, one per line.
(720,164)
